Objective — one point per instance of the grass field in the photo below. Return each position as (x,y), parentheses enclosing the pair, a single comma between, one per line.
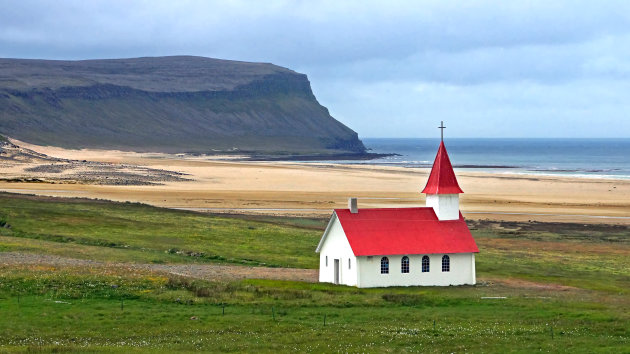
(134,232)
(542,287)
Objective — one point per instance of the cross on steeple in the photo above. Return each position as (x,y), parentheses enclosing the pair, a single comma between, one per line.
(442,127)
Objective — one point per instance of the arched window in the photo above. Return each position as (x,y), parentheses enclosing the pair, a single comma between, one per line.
(425,264)
(326,261)
(404,265)
(384,265)
(349,264)
(446,264)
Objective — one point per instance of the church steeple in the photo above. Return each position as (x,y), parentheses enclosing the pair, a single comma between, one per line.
(442,179)
(442,189)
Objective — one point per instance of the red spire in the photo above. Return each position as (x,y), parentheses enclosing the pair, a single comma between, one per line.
(442,178)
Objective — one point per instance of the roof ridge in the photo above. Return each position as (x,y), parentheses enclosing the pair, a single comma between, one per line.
(423,207)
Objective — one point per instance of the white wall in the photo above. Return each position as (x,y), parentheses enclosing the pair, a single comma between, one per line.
(336,246)
(474,269)
(462,271)
(446,206)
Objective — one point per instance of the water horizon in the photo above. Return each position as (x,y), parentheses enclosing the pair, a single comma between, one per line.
(572,157)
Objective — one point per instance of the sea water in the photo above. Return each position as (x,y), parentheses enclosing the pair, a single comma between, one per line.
(596,158)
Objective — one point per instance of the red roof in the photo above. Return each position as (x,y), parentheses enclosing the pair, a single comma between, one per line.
(399,231)
(442,179)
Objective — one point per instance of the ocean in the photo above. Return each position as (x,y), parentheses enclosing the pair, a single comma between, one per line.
(587,158)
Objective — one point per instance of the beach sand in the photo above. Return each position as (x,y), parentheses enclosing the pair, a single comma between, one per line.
(314,189)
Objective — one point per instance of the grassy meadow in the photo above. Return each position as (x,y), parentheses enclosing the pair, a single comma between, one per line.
(131,232)
(542,287)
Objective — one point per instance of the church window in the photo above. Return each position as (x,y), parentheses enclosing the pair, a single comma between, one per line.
(326,261)
(425,264)
(349,264)
(446,264)
(384,265)
(404,265)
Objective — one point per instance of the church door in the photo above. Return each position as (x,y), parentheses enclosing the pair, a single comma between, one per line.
(336,271)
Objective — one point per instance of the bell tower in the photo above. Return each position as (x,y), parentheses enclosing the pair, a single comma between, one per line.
(442,189)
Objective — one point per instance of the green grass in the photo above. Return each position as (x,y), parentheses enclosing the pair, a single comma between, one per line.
(116,308)
(136,232)
(75,310)
(596,257)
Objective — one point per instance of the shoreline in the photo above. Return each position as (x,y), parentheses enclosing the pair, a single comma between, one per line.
(360,159)
(294,188)
(488,169)
(366,156)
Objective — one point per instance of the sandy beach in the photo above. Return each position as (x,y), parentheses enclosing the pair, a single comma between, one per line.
(215,184)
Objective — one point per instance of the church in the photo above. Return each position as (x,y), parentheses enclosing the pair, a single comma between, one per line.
(426,246)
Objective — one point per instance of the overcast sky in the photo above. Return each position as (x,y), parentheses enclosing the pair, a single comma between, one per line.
(386,68)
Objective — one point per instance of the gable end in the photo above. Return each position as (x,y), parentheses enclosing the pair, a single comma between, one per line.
(331,222)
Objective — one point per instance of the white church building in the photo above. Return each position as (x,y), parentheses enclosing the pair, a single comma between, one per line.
(423,246)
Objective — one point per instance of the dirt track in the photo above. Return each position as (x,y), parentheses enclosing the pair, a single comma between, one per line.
(214,272)
(200,271)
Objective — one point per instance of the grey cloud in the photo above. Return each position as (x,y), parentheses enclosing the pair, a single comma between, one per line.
(409,61)
(583,108)
(310,32)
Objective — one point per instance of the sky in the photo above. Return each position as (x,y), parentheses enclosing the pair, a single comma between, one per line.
(384,68)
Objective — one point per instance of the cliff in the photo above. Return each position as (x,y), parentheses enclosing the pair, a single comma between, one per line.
(168,104)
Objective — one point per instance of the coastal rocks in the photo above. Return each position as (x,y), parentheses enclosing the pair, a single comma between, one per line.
(35,167)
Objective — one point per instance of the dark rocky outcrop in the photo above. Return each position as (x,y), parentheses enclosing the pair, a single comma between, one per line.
(168,104)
